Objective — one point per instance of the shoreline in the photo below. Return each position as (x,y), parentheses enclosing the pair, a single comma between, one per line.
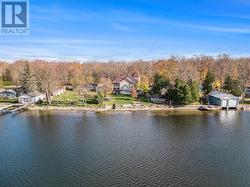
(123,109)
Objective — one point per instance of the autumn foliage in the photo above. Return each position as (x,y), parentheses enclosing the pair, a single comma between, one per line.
(51,74)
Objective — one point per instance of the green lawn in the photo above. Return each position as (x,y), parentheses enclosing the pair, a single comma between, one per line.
(120,100)
(67,96)
(70,98)
(246,101)
(8,100)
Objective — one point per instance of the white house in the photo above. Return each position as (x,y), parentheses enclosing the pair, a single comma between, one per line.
(125,83)
(31,98)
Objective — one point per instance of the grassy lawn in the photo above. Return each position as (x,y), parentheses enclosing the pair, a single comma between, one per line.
(120,100)
(8,100)
(71,98)
(246,101)
(67,96)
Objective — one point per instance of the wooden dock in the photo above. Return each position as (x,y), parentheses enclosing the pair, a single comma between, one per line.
(14,108)
(5,109)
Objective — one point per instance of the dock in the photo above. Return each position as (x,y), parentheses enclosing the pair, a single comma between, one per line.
(14,108)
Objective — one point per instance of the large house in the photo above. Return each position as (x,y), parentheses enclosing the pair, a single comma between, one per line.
(125,83)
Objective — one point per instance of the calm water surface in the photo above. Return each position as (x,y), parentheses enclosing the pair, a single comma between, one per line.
(125,149)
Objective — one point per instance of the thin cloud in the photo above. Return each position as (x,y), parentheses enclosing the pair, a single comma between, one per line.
(122,20)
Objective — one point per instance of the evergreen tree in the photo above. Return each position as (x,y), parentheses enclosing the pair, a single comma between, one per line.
(232,86)
(160,82)
(7,78)
(27,80)
(195,92)
(228,84)
(208,82)
(181,93)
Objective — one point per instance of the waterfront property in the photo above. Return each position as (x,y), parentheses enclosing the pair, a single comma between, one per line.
(31,98)
(8,94)
(223,100)
(125,83)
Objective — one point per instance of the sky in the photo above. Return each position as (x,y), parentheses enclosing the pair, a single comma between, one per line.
(83,30)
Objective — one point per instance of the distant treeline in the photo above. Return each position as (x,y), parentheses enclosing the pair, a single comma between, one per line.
(75,73)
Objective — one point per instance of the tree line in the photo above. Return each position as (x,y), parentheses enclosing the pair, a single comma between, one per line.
(44,75)
(182,92)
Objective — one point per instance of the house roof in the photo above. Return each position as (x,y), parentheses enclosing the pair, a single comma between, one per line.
(10,91)
(222,95)
(129,78)
(33,94)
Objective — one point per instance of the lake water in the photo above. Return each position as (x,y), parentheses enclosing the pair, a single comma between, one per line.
(125,149)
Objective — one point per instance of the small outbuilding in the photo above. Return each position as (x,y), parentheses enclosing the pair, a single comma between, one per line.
(8,94)
(58,91)
(31,98)
(223,100)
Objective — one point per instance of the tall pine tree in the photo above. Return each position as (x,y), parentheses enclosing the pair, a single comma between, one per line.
(232,86)
(27,80)
(208,82)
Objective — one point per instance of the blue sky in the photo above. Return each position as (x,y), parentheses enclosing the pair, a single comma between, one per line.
(131,29)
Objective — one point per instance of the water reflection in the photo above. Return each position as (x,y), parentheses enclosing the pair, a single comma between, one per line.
(229,118)
(125,149)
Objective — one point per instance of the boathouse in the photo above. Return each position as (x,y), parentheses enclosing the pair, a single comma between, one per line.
(223,100)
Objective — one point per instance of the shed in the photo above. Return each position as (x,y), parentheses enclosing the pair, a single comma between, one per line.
(8,94)
(223,99)
(58,91)
(31,98)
